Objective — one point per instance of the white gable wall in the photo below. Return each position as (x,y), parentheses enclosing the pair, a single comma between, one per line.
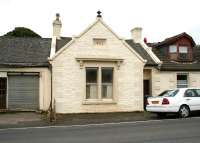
(69,79)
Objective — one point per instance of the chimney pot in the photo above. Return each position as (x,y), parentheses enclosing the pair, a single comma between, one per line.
(57,26)
(136,34)
(145,40)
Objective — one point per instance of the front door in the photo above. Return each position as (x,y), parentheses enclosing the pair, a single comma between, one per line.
(3,92)
(146,91)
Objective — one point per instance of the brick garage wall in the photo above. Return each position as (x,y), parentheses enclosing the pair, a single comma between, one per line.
(69,79)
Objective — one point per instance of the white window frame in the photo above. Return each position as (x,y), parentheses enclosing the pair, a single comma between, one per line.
(101,100)
(185,51)
(172,49)
(183,84)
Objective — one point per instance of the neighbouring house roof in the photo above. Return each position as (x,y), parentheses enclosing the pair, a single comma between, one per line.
(172,39)
(169,65)
(188,66)
(142,52)
(24,52)
(62,42)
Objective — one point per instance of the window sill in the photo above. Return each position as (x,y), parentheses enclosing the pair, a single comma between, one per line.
(99,101)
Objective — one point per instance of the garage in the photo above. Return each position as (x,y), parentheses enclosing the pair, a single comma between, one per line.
(23,91)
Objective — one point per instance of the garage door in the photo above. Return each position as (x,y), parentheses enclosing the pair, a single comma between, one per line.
(23,91)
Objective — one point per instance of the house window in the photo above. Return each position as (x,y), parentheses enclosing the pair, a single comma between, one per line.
(99,42)
(107,82)
(99,83)
(172,49)
(182,80)
(183,52)
(183,49)
(91,83)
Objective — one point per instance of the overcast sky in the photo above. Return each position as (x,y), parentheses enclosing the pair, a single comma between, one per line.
(158,18)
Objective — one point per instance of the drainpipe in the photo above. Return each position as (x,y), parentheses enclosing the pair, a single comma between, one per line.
(51,117)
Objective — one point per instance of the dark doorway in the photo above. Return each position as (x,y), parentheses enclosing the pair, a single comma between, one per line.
(146,91)
(3,92)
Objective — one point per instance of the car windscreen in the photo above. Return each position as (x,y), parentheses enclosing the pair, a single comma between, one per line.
(169,93)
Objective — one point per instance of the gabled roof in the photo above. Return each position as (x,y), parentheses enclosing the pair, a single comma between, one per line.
(34,52)
(86,30)
(142,52)
(24,52)
(172,39)
(169,65)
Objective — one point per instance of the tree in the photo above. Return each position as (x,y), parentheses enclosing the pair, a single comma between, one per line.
(22,32)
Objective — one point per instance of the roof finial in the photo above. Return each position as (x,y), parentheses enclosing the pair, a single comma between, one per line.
(99,14)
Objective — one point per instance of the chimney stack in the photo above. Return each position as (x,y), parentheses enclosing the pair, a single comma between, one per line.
(57,26)
(137,34)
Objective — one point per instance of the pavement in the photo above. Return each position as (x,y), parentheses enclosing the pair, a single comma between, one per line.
(15,118)
(22,119)
(152,131)
(36,119)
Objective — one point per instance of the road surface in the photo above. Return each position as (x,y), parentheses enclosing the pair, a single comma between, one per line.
(159,131)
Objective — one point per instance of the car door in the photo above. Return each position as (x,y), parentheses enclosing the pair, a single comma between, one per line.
(191,99)
(198,98)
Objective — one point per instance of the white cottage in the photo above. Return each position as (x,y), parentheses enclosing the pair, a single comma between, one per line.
(97,71)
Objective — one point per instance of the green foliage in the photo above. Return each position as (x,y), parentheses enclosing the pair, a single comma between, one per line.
(22,32)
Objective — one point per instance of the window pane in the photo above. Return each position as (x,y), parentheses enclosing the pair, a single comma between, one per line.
(91,91)
(107,75)
(190,93)
(198,92)
(91,75)
(107,82)
(182,81)
(91,83)
(183,49)
(172,49)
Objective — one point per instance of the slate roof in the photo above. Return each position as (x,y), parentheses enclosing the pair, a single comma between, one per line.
(142,52)
(188,66)
(24,52)
(169,65)
(61,42)
(172,39)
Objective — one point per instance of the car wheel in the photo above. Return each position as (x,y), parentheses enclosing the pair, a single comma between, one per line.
(184,111)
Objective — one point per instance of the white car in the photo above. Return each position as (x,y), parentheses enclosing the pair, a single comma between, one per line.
(181,101)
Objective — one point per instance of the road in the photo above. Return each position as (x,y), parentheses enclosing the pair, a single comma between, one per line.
(159,131)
